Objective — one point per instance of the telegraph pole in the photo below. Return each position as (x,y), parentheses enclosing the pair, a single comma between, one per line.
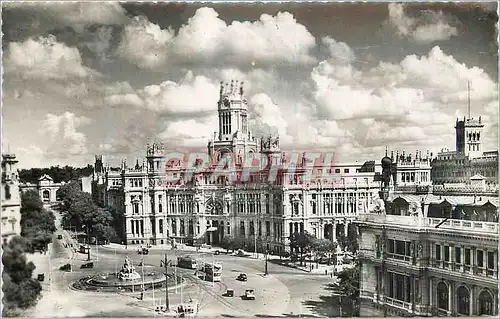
(167,306)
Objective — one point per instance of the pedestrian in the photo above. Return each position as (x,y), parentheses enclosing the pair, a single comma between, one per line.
(326,272)
(331,274)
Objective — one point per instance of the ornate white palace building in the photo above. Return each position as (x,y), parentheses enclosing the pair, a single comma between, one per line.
(198,206)
(433,250)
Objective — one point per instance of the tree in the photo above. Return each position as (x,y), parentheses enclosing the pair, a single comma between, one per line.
(348,285)
(350,242)
(68,193)
(325,247)
(302,243)
(37,223)
(20,289)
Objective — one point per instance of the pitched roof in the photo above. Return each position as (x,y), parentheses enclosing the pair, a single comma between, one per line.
(477,177)
(45,177)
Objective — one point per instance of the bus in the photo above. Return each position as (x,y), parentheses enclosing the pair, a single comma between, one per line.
(213,272)
(187,262)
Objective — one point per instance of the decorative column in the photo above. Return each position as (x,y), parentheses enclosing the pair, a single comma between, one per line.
(346,225)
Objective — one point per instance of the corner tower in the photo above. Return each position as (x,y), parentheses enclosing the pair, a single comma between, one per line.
(468,137)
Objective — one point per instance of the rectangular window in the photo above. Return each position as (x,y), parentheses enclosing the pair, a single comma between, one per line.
(458,255)
(467,256)
(346,170)
(446,253)
(400,247)
(438,252)
(491,260)
(337,170)
(390,246)
(480,260)
(160,226)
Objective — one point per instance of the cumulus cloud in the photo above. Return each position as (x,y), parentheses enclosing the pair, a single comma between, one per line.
(145,44)
(392,102)
(205,38)
(44,58)
(430,26)
(265,116)
(62,131)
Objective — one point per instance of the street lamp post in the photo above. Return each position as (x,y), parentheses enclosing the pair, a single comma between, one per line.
(266,272)
(167,306)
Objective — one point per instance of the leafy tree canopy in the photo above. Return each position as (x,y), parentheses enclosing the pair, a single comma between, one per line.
(58,174)
(19,288)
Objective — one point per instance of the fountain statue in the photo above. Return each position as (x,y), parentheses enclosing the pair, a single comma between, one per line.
(128,271)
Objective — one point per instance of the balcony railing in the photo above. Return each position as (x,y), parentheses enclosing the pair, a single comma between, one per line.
(429,222)
(393,302)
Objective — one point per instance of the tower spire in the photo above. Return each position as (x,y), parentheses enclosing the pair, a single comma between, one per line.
(468,99)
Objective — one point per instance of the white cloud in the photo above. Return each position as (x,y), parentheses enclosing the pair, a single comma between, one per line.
(145,44)
(392,102)
(62,132)
(195,94)
(265,116)
(430,26)
(207,39)
(338,51)
(44,58)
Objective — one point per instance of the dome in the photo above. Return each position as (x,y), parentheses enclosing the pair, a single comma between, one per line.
(386,162)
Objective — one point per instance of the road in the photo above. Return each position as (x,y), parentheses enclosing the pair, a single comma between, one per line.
(284,292)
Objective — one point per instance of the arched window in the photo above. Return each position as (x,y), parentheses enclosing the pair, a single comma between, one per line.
(442,296)
(485,303)
(463,301)
(46,195)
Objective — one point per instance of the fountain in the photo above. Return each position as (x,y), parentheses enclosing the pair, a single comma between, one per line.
(127,279)
(128,273)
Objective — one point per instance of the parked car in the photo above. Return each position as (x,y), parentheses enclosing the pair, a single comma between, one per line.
(41,277)
(143,251)
(66,267)
(249,294)
(229,293)
(242,277)
(87,265)
(59,236)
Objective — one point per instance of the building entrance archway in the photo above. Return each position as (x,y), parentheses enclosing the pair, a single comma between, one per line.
(443,296)
(485,303)
(463,301)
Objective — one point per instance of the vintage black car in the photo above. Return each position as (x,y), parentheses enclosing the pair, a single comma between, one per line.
(59,236)
(242,277)
(229,293)
(66,267)
(87,265)
(41,277)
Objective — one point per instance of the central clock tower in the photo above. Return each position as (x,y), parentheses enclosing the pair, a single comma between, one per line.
(234,135)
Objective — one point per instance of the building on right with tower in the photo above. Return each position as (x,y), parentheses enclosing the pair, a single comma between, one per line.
(432,250)
(468,164)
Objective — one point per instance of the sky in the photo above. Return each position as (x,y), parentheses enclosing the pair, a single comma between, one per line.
(82,79)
